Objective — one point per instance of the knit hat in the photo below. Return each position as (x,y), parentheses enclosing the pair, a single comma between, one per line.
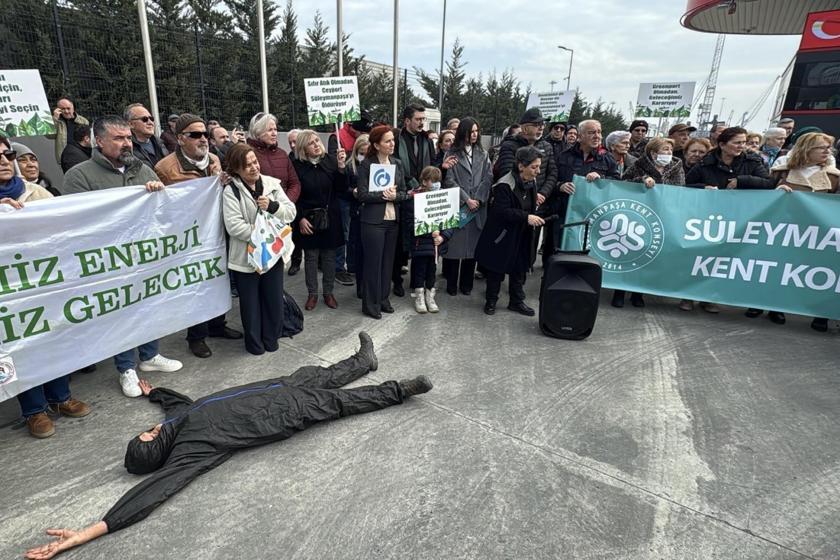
(638,123)
(186,120)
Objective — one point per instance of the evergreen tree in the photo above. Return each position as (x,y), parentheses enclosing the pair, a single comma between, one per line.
(174,55)
(287,78)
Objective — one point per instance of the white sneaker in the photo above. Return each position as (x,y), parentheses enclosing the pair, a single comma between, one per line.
(419,300)
(431,304)
(130,384)
(159,363)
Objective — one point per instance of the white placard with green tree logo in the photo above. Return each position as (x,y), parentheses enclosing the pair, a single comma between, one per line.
(554,105)
(436,211)
(24,110)
(332,99)
(665,99)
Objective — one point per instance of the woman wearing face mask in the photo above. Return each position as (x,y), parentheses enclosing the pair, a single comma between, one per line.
(656,166)
(506,245)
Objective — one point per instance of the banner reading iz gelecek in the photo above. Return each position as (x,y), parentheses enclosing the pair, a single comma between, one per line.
(85,276)
(763,249)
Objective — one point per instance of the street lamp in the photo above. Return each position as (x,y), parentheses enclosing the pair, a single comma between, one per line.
(571,58)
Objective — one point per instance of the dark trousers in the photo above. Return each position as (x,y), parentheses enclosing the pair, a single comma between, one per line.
(380,242)
(297,256)
(37,399)
(459,273)
(423,271)
(331,402)
(213,327)
(400,258)
(261,307)
(354,248)
(516,286)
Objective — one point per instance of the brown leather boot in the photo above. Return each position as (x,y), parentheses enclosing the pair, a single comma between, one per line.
(311,302)
(72,408)
(40,425)
(330,301)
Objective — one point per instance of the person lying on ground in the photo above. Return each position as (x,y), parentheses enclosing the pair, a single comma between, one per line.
(200,435)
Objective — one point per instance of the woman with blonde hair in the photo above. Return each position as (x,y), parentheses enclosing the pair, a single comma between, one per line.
(808,169)
(317,226)
(754,141)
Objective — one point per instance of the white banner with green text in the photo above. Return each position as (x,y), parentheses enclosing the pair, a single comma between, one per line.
(86,276)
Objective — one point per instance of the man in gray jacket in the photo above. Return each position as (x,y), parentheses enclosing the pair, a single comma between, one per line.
(112,164)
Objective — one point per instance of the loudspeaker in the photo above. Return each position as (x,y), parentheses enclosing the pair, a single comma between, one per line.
(569,295)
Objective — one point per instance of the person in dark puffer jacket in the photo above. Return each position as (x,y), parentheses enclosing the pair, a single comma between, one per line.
(533,124)
(728,166)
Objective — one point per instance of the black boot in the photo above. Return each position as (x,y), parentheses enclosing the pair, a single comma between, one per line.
(416,386)
(366,351)
(819,325)
(776,317)
(752,313)
(490,307)
(637,300)
(618,298)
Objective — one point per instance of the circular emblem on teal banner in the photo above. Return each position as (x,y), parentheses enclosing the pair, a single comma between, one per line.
(626,235)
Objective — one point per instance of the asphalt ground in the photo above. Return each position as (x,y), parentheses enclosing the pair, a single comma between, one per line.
(665,435)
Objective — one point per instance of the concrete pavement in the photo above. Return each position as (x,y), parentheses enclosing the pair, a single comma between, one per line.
(665,435)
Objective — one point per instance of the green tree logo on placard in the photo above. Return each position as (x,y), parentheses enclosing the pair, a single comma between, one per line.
(35,126)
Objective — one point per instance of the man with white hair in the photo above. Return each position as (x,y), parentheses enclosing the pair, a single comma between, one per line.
(583,158)
(774,139)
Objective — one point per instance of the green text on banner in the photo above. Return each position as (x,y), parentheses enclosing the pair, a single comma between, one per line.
(763,249)
(86,276)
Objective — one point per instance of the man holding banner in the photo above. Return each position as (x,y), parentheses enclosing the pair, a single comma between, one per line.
(112,165)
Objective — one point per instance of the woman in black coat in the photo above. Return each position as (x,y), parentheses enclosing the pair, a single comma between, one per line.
(317,227)
(507,242)
(379,218)
(729,167)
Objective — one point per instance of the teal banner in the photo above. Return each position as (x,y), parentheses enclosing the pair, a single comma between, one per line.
(765,249)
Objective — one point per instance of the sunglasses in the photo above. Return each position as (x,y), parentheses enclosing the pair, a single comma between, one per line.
(144,119)
(196,134)
(10,155)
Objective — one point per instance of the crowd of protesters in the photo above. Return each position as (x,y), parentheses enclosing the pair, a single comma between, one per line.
(346,233)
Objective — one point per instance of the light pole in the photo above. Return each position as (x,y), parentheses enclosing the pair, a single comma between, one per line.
(571,59)
(442,43)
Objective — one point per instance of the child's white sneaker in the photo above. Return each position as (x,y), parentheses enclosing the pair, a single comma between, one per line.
(419,300)
(430,301)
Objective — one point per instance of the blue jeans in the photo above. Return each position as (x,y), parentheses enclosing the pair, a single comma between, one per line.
(342,256)
(37,399)
(125,360)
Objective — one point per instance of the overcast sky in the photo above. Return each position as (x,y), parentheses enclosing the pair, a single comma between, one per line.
(617,44)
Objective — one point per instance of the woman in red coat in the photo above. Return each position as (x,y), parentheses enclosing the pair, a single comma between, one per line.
(274,161)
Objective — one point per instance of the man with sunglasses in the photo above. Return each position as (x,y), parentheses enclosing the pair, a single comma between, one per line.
(638,138)
(148,148)
(192,159)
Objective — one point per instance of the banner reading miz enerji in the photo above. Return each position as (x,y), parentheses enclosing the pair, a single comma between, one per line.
(764,249)
(86,276)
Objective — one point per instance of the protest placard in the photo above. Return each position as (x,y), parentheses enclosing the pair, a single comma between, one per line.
(665,99)
(332,99)
(436,211)
(381,177)
(24,110)
(555,105)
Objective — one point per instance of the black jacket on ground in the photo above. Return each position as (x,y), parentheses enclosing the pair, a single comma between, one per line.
(748,169)
(74,154)
(203,434)
(546,180)
(508,244)
(321,186)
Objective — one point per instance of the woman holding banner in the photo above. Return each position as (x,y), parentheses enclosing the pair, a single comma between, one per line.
(807,169)
(472,175)
(53,395)
(507,243)
(318,227)
(260,295)
(379,193)
(729,166)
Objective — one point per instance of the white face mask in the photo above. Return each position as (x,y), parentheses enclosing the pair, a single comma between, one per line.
(360,158)
(663,159)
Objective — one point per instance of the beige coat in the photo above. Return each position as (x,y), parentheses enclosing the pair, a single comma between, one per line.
(34,192)
(240,214)
(824,181)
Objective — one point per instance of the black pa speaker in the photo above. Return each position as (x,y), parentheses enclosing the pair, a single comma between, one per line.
(569,295)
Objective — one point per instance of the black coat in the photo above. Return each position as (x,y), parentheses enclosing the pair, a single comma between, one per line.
(321,186)
(201,435)
(508,244)
(141,154)
(74,154)
(546,180)
(571,163)
(748,169)
(373,205)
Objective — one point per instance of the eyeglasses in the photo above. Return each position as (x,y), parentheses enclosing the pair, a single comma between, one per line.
(10,155)
(195,134)
(145,119)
